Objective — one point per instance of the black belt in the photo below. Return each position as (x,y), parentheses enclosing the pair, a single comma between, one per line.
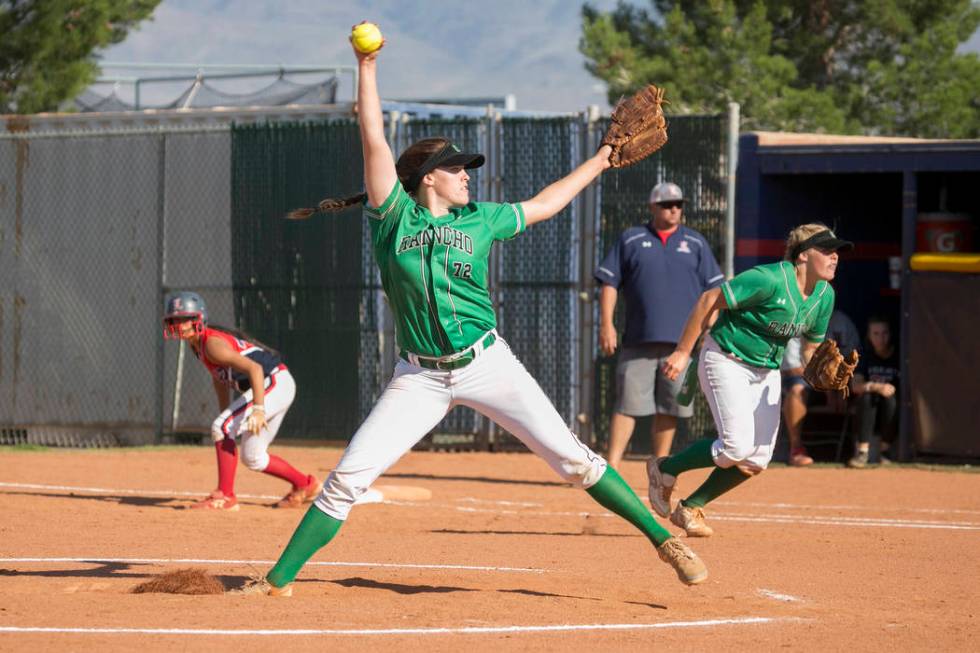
(456,361)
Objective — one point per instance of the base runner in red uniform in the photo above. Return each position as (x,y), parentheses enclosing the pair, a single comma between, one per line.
(239,363)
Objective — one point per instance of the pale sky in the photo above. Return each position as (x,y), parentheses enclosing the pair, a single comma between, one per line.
(434,48)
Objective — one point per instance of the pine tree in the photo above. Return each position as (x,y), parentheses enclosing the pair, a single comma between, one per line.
(843,66)
(47,47)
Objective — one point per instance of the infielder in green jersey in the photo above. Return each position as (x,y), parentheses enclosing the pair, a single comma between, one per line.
(758,311)
(432,246)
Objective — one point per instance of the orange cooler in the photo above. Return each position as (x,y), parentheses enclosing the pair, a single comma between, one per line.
(944,232)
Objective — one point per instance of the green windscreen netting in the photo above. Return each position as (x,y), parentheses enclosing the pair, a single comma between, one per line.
(312,289)
(302,286)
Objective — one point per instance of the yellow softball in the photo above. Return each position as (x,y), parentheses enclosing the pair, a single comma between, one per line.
(366,37)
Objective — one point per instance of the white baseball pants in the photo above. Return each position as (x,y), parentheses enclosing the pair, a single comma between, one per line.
(745,402)
(280,390)
(495,384)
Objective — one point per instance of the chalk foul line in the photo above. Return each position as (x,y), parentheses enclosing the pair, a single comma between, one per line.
(212,561)
(467,630)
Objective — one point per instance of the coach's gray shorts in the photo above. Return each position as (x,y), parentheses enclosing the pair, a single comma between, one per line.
(641,387)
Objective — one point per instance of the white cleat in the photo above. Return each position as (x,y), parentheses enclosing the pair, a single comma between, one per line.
(661,487)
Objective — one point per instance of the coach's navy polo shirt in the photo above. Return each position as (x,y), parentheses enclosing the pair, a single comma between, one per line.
(660,283)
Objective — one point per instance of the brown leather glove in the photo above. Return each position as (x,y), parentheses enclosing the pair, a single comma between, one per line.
(638,127)
(829,370)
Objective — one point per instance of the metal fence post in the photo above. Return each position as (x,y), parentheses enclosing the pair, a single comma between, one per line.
(162,277)
(487,136)
(487,144)
(588,228)
(178,387)
(733,129)
(495,175)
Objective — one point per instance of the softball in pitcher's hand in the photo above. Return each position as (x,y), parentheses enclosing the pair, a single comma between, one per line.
(366,37)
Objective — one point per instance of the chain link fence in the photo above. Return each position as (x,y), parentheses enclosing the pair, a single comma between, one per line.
(537,274)
(97,227)
(305,287)
(93,226)
(696,159)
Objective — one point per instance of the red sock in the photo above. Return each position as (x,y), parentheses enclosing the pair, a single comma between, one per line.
(281,469)
(227,465)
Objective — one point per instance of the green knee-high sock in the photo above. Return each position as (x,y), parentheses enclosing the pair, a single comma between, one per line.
(696,456)
(312,534)
(720,481)
(613,493)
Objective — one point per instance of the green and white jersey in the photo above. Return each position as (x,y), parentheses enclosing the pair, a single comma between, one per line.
(434,270)
(766,309)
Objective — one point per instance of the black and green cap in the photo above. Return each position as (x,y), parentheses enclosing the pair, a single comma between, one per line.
(448,156)
(825,239)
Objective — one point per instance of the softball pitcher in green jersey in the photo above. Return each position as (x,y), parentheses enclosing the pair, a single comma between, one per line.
(758,311)
(432,246)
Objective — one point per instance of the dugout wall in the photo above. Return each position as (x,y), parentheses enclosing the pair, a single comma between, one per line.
(874,191)
(943,363)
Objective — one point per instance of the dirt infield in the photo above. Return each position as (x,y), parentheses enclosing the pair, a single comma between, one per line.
(503,557)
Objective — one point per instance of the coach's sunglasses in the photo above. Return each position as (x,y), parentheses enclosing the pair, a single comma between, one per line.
(671,205)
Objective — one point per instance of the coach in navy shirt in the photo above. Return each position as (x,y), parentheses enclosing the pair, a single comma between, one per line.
(660,268)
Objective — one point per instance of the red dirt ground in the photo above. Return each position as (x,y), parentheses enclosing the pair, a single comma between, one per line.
(802,559)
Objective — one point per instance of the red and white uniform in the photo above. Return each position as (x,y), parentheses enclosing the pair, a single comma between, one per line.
(227,375)
(280,390)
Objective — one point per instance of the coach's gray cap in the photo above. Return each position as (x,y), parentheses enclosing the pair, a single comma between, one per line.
(666,192)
